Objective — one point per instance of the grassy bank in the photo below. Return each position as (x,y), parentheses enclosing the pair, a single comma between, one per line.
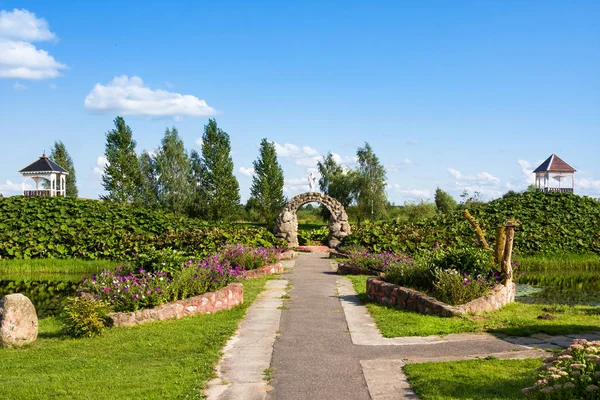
(515,319)
(162,360)
(472,379)
(44,268)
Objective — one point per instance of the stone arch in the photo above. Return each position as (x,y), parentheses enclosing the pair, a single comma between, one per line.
(286,223)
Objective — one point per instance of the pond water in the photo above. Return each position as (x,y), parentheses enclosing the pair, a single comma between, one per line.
(568,288)
(46,292)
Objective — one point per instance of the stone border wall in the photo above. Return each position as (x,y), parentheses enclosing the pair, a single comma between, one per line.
(313,249)
(222,299)
(266,270)
(287,255)
(412,300)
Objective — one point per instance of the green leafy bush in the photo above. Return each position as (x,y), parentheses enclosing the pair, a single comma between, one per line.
(453,287)
(166,260)
(550,223)
(57,227)
(84,316)
(313,237)
(571,374)
(469,260)
(416,275)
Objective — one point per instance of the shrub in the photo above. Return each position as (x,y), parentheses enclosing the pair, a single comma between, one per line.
(410,274)
(208,275)
(247,257)
(166,260)
(571,374)
(452,287)
(313,237)
(128,290)
(469,260)
(378,262)
(84,317)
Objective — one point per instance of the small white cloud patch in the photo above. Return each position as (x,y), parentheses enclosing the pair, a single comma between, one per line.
(18,57)
(129,96)
(9,188)
(101,162)
(247,171)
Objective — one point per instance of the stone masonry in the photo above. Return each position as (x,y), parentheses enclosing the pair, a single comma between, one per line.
(286,223)
(222,299)
(409,299)
(18,321)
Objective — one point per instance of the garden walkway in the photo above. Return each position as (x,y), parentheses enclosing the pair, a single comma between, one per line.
(327,345)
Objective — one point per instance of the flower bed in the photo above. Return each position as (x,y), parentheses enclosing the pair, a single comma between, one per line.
(350,269)
(409,299)
(222,299)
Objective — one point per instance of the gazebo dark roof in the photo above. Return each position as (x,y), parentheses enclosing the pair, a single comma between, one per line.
(554,164)
(43,164)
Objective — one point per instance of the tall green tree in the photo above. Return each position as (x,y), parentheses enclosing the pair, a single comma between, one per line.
(444,202)
(267,183)
(337,182)
(219,191)
(371,197)
(173,171)
(148,187)
(121,176)
(60,155)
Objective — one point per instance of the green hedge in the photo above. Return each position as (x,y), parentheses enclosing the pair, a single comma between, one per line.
(550,223)
(89,229)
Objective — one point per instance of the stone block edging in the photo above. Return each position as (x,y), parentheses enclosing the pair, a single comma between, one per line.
(222,299)
(266,270)
(349,269)
(313,249)
(413,300)
(287,255)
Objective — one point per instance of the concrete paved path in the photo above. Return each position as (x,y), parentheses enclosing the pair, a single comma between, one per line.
(328,346)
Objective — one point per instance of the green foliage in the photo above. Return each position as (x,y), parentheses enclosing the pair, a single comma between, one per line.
(371,197)
(219,191)
(444,202)
(414,275)
(471,260)
(166,259)
(337,182)
(88,229)
(411,212)
(84,317)
(267,184)
(148,188)
(174,174)
(451,287)
(60,155)
(47,296)
(121,177)
(313,237)
(550,223)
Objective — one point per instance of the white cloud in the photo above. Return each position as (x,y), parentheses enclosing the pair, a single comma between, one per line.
(129,96)
(18,57)
(410,194)
(304,156)
(24,25)
(19,86)
(9,188)
(247,171)
(482,177)
(297,181)
(527,171)
(101,162)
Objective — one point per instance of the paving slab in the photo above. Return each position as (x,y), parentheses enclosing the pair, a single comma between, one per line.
(240,373)
(386,380)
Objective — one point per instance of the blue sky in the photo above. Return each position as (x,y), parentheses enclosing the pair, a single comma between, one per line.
(457,94)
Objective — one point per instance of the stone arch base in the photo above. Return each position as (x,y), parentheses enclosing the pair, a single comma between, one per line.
(286,223)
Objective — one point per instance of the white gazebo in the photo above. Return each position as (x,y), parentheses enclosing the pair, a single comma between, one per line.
(555,175)
(44,169)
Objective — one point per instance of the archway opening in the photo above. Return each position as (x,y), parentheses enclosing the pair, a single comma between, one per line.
(286,223)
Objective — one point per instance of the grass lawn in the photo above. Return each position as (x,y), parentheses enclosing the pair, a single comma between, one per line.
(160,360)
(472,379)
(515,319)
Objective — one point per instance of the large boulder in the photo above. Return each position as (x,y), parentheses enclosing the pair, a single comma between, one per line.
(18,321)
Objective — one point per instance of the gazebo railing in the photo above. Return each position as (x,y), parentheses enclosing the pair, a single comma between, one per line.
(37,193)
(559,190)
